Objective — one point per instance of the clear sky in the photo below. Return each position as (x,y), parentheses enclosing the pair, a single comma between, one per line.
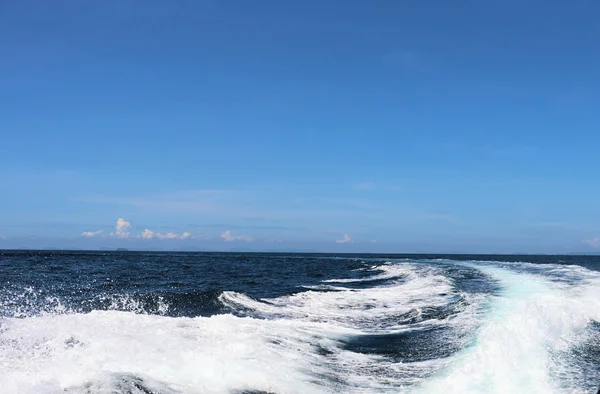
(391,126)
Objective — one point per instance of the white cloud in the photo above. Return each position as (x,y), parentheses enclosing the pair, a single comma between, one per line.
(594,242)
(374,241)
(185,235)
(91,234)
(345,240)
(229,238)
(121,228)
(149,234)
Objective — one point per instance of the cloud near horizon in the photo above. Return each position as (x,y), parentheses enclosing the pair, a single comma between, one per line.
(122,227)
(91,234)
(594,242)
(227,237)
(345,240)
(149,234)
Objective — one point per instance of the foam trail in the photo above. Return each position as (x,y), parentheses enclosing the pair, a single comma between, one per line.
(519,345)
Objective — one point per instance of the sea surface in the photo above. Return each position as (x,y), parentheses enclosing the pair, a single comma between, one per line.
(140,323)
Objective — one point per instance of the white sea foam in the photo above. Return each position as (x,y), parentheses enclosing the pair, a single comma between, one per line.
(523,345)
(367,309)
(199,355)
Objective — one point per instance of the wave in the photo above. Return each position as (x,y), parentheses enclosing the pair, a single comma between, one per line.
(422,295)
(386,271)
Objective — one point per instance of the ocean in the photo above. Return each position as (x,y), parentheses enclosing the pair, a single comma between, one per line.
(166,323)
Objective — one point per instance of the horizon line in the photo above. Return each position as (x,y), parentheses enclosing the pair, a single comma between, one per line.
(291,251)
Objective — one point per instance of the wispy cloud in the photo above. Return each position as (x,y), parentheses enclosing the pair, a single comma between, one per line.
(407,59)
(365,185)
(371,186)
(437,216)
(191,201)
(350,203)
(246,227)
(490,151)
(121,229)
(570,99)
(91,234)
(345,240)
(228,237)
(241,204)
(374,241)
(594,242)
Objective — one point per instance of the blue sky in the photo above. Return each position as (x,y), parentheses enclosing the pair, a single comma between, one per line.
(436,126)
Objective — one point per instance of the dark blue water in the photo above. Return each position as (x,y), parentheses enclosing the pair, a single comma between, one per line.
(136,322)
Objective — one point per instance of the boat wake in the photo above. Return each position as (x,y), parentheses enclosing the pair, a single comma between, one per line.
(422,326)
